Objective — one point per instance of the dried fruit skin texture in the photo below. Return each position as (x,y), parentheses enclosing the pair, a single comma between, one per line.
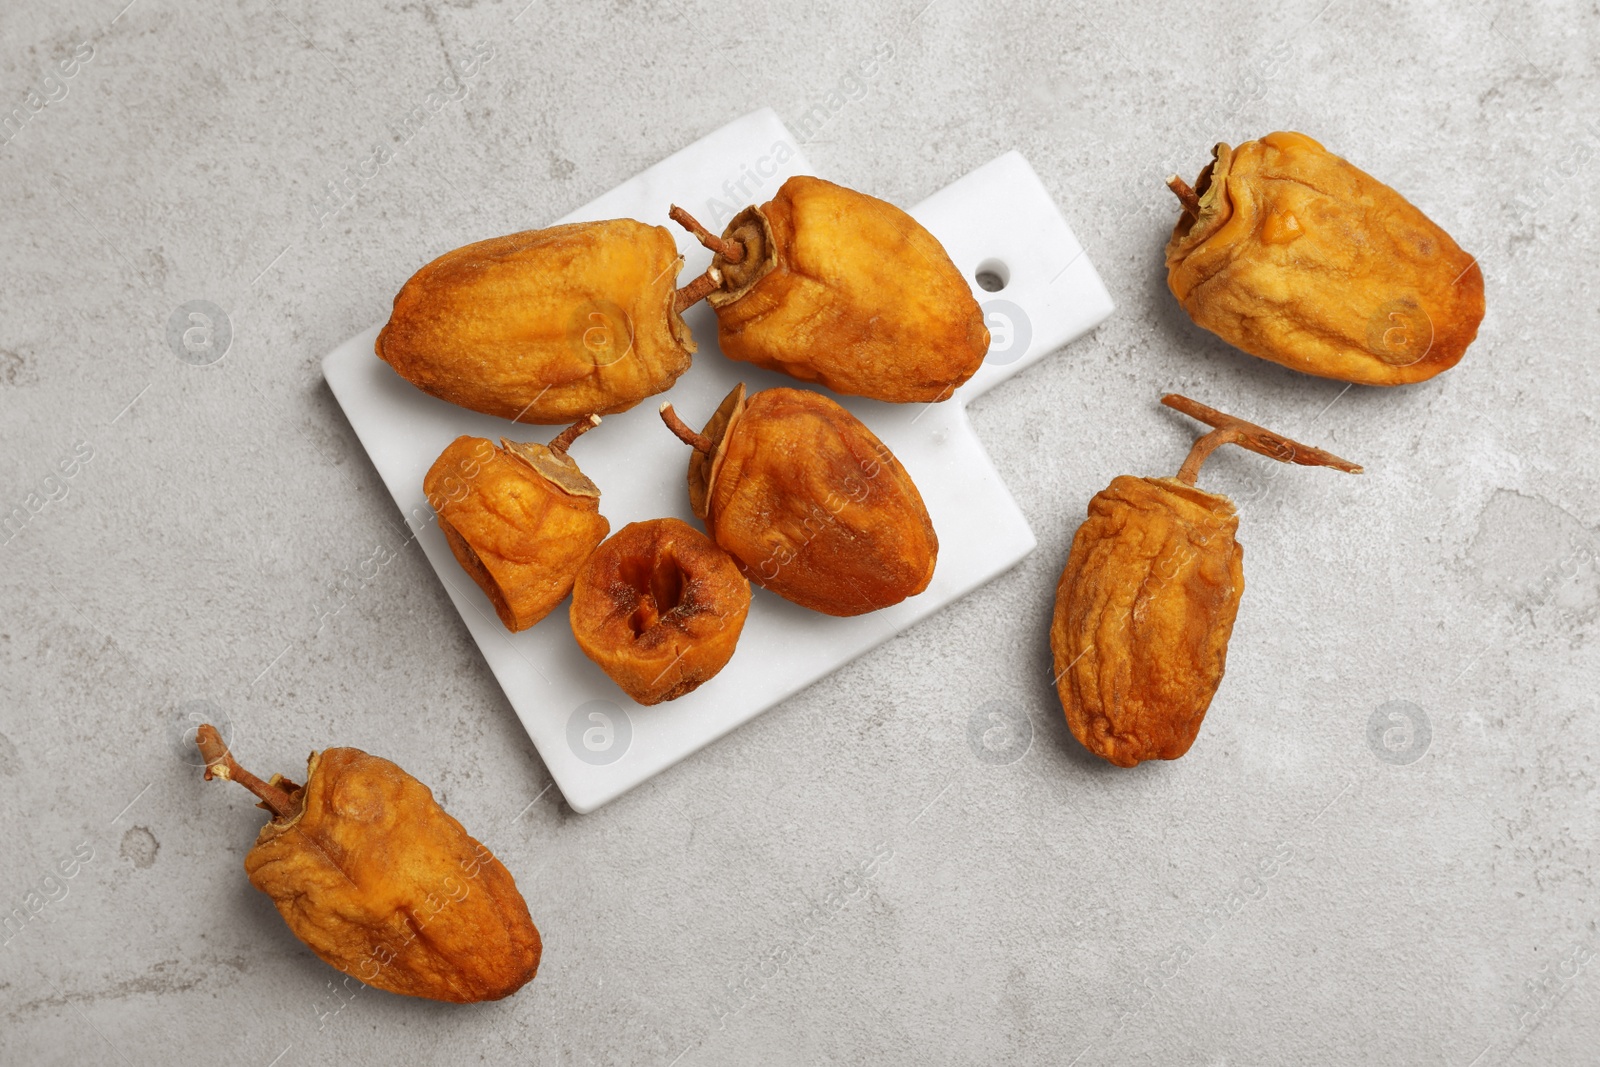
(851,292)
(1298,257)
(659,608)
(381,883)
(544,326)
(815,508)
(1144,610)
(518,534)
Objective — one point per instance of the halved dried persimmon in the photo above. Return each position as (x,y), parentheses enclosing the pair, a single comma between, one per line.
(659,608)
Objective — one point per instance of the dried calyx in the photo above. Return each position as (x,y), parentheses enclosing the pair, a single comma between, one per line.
(1229,430)
(551,461)
(708,444)
(1207,198)
(741,257)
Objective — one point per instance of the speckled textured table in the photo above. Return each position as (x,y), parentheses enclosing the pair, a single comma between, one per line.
(1382,848)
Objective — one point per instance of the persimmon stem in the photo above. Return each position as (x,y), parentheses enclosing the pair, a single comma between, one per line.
(221,764)
(1231,430)
(697,290)
(1202,451)
(687,434)
(730,250)
(564,439)
(1185,193)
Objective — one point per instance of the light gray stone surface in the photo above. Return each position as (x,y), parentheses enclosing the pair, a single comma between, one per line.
(1438,911)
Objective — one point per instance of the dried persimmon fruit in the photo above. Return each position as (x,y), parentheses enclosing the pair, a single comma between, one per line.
(808,501)
(833,286)
(1147,600)
(520,519)
(1293,254)
(659,608)
(549,325)
(372,874)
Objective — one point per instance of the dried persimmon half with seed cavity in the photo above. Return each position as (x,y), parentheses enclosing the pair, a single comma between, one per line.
(659,607)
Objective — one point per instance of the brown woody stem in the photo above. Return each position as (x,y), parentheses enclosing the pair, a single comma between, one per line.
(1202,451)
(1229,430)
(565,438)
(697,290)
(732,251)
(221,764)
(1185,193)
(687,434)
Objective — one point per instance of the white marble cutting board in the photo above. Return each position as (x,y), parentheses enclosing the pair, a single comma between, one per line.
(596,742)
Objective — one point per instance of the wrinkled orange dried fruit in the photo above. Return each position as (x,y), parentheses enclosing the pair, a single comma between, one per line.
(520,519)
(808,502)
(1147,600)
(833,286)
(1292,254)
(659,608)
(376,879)
(545,326)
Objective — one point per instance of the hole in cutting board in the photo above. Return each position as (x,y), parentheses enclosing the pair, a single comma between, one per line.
(992,276)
